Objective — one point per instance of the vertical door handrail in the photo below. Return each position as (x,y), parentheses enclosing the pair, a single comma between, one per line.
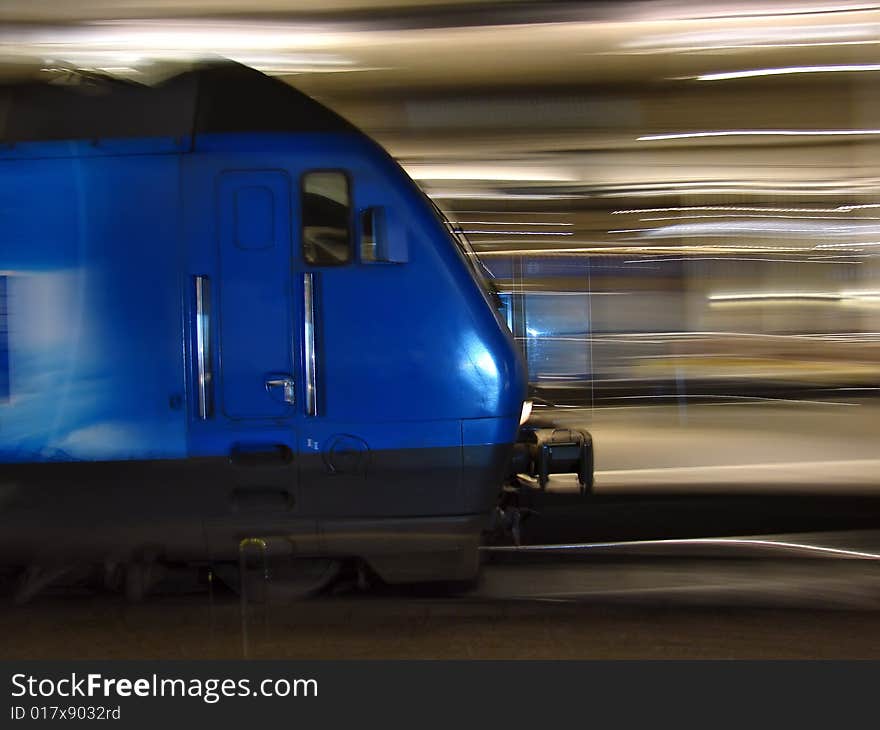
(309,343)
(203,347)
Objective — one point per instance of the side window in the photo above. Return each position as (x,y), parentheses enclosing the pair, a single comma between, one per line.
(371,225)
(382,237)
(326,218)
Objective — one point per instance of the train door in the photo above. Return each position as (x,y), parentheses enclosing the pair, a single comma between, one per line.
(257,381)
(244,343)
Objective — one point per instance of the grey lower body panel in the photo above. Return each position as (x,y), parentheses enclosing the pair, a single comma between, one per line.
(423,523)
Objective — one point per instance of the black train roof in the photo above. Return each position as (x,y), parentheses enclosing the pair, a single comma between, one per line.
(218,96)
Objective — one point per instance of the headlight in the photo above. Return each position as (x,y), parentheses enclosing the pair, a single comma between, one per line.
(526,412)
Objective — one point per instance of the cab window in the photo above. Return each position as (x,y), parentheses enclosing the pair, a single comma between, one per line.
(326,218)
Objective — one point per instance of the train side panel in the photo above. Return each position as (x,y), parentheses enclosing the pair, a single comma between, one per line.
(93,422)
(90,260)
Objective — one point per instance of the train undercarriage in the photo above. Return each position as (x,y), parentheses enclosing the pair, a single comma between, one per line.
(397,551)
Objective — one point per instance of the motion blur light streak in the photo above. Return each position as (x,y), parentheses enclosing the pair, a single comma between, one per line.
(712,541)
(737,228)
(746,209)
(775,295)
(760,34)
(734,258)
(465,195)
(850,245)
(753,216)
(484,172)
(518,233)
(761,133)
(516,223)
(759,72)
(738,189)
(806,296)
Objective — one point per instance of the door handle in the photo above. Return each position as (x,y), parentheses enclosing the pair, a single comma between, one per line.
(281,388)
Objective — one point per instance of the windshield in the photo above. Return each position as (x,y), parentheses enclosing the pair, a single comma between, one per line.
(479,269)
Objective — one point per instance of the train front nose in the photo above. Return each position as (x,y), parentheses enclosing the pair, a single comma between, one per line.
(497,386)
(494,376)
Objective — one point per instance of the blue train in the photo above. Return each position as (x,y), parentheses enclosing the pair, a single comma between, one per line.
(226,313)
